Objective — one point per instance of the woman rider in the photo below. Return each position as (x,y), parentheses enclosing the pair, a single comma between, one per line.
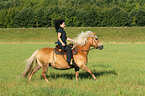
(59,26)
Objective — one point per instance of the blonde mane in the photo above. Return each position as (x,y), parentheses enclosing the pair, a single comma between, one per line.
(82,38)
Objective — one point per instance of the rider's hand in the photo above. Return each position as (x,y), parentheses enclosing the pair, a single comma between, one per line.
(63,44)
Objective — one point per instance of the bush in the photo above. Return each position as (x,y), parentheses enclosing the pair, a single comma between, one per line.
(1,5)
(10,3)
(140,17)
(10,17)
(25,18)
(43,17)
(77,13)
(116,17)
(137,17)
(3,14)
(132,17)
(71,17)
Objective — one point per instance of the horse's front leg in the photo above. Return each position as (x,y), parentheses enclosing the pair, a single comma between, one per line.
(84,67)
(77,72)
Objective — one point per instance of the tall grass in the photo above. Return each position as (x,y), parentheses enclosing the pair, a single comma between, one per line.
(120,70)
(48,35)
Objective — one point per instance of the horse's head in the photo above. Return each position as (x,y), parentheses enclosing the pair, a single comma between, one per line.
(88,38)
(94,41)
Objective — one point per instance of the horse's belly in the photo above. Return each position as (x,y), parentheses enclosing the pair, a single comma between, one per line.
(60,62)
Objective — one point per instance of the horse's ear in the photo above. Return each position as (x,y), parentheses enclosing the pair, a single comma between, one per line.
(93,33)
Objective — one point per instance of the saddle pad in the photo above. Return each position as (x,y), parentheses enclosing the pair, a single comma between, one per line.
(60,52)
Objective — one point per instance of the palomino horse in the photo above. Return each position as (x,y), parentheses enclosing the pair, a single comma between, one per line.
(46,57)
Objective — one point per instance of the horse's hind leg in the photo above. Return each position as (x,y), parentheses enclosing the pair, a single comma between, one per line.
(34,70)
(84,67)
(77,72)
(44,71)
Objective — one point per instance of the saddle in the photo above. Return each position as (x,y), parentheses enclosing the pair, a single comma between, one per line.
(59,51)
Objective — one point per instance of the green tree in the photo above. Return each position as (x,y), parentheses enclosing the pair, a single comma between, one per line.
(41,13)
(3,14)
(43,16)
(140,17)
(10,17)
(25,18)
(132,17)
(116,17)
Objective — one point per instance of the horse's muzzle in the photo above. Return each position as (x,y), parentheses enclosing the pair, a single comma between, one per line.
(100,47)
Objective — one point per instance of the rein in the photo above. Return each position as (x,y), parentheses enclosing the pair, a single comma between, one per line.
(88,50)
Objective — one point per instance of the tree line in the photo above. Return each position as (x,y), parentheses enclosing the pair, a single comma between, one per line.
(76,13)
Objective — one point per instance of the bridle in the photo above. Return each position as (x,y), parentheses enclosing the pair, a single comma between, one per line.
(91,44)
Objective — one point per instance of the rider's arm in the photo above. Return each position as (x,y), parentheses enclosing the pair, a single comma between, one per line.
(59,34)
(69,39)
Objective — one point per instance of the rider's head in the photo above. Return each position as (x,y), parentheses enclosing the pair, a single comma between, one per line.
(59,23)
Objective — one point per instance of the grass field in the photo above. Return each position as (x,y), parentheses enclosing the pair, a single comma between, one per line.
(107,35)
(120,68)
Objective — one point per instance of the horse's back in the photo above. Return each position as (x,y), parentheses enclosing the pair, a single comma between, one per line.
(46,50)
(45,54)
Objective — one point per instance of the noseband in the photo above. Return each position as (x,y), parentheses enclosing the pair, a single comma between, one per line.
(94,41)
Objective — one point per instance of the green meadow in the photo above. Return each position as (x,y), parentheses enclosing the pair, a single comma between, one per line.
(133,35)
(119,67)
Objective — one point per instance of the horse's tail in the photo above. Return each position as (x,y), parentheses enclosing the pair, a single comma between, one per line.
(29,64)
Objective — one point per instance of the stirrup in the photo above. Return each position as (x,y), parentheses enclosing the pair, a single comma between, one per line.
(71,64)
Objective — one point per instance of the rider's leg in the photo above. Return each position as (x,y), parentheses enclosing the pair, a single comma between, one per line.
(69,54)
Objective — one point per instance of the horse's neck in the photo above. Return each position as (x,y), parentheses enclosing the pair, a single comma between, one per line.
(85,48)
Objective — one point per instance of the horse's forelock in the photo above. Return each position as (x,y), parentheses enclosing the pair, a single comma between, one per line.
(82,38)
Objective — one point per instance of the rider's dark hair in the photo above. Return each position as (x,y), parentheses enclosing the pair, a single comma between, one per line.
(57,24)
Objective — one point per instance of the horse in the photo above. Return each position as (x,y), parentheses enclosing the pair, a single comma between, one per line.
(46,57)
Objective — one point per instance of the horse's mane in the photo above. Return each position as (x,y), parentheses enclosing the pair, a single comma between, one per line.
(82,38)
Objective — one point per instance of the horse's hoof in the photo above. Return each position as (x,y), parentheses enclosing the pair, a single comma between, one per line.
(96,80)
(47,80)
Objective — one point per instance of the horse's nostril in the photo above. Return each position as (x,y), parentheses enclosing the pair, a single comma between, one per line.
(100,47)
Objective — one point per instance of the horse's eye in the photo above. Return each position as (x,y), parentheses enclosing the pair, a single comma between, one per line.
(96,39)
